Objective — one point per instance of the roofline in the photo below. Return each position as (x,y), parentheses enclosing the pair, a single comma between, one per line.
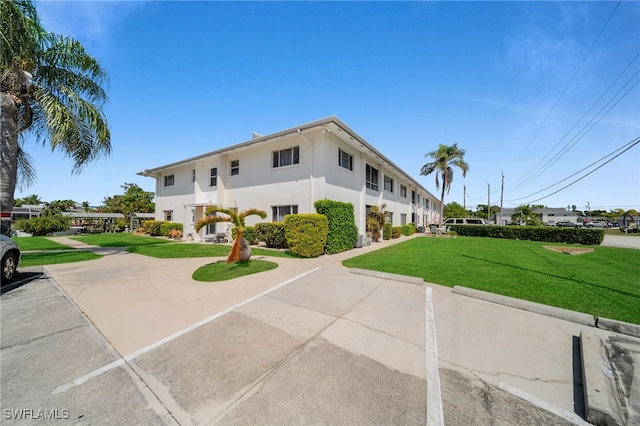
(297,129)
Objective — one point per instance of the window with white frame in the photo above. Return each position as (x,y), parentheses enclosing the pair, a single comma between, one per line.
(213,178)
(193,216)
(371,178)
(345,160)
(388,183)
(193,175)
(169,180)
(285,157)
(168,215)
(388,217)
(403,218)
(403,191)
(413,196)
(235,167)
(279,212)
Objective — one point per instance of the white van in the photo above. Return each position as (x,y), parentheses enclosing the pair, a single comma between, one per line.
(465,221)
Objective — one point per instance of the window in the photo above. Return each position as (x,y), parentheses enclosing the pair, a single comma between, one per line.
(286,157)
(372,178)
(413,196)
(426,203)
(403,218)
(213,179)
(168,215)
(388,184)
(403,191)
(193,216)
(345,160)
(279,212)
(193,175)
(235,167)
(388,217)
(169,180)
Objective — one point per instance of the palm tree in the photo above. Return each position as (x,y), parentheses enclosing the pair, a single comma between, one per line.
(51,88)
(240,250)
(525,213)
(444,159)
(33,199)
(376,218)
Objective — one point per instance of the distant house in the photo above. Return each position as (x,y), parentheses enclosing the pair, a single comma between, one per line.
(549,216)
(286,172)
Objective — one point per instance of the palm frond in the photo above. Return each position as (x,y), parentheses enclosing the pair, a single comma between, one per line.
(252,212)
(208,220)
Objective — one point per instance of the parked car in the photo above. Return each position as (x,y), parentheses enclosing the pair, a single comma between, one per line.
(567,224)
(596,224)
(614,225)
(10,258)
(465,221)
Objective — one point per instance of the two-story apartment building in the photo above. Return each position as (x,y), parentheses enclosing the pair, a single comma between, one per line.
(286,172)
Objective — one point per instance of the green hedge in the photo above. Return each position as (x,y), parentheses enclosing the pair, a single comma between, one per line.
(43,225)
(248,234)
(166,227)
(306,234)
(408,229)
(343,232)
(272,233)
(152,227)
(387,231)
(550,234)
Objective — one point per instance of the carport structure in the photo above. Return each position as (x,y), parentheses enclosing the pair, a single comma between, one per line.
(94,221)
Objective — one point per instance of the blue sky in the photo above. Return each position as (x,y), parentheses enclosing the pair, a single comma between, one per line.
(513,83)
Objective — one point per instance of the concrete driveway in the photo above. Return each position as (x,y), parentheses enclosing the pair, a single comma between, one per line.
(128,339)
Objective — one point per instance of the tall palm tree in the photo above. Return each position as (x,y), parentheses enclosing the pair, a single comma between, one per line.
(49,87)
(525,213)
(240,250)
(444,160)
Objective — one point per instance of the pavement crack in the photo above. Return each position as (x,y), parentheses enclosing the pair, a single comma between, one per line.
(44,336)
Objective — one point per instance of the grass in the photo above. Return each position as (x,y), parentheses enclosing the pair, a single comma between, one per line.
(119,240)
(603,283)
(173,251)
(38,243)
(36,259)
(221,271)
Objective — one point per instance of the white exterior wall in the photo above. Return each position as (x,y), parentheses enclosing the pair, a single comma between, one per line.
(258,185)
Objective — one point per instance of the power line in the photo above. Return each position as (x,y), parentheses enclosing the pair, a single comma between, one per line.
(574,75)
(576,124)
(635,141)
(592,171)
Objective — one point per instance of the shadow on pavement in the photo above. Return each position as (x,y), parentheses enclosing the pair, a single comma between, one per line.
(22,278)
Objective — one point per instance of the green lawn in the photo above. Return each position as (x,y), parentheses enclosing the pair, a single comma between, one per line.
(38,243)
(181,250)
(603,283)
(221,271)
(36,259)
(119,240)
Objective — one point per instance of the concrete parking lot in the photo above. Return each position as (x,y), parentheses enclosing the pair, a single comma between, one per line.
(128,339)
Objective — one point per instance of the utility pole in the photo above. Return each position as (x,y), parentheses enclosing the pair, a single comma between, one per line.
(501,195)
(464,199)
(488,202)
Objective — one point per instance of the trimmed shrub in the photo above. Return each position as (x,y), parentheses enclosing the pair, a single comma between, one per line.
(343,232)
(549,234)
(306,234)
(408,229)
(167,227)
(272,233)
(153,227)
(396,231)
(43,225)
(387,231)
(248,234)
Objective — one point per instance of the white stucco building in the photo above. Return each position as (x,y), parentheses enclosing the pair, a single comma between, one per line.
(286,172)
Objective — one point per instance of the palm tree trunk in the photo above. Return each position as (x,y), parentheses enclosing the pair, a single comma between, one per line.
(236,248)
(8,152)
(442,206)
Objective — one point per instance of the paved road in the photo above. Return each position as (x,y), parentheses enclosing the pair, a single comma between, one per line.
(129,339)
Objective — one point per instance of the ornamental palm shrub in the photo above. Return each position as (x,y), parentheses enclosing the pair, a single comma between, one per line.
(240,250)
(306,234)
